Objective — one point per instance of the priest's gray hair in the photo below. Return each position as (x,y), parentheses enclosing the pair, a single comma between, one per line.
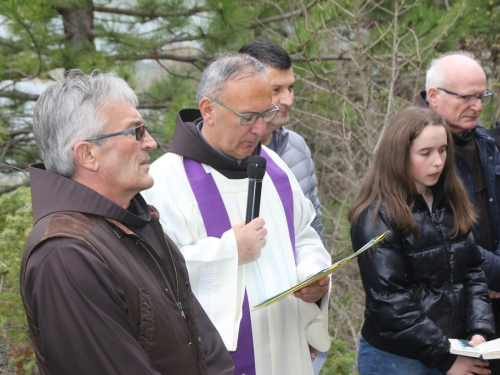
(226,68)
(73,110)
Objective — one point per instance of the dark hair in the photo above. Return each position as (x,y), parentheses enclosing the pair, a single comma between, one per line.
(268,53)
(390,181)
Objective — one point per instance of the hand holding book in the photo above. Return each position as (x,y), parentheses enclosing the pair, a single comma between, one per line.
(314,292)
(321,274)
(486,350)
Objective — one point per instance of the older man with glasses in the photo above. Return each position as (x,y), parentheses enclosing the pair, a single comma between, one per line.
(456,89)
(105,291)
(201,189)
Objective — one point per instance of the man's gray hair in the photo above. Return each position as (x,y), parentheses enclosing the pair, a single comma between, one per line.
(72,110)
(436,74)
(226,68)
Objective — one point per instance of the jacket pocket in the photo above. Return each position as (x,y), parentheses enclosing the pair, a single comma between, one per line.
(147,321)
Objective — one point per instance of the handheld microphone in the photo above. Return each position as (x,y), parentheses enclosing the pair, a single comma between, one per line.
(256,170)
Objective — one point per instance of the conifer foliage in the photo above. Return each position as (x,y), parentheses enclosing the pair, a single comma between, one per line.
(355,61)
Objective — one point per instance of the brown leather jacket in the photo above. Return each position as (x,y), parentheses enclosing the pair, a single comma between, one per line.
(106,292)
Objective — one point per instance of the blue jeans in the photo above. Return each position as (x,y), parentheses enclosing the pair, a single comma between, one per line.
(372,361)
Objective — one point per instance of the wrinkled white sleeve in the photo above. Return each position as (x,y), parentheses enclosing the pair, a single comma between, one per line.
(212,262)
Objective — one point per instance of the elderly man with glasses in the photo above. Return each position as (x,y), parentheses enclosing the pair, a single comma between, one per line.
(456,89)
(105,291)
(201,188)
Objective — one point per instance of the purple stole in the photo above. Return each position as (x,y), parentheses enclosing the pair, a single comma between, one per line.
(216,220)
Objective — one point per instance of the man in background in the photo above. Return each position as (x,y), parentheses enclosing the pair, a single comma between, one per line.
(201,189)
(290,146)
(456,89)
(105,291)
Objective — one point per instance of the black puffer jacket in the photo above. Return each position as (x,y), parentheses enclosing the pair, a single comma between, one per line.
(422,290)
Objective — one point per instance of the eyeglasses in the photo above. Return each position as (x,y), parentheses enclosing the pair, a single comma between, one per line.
(139,133)
(247,119)
(471,99)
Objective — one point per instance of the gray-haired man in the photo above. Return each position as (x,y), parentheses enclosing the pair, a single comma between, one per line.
(456,89)
(201,192)
(105,291)
(289,145)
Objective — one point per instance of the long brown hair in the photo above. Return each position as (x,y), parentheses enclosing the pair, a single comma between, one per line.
(390,181)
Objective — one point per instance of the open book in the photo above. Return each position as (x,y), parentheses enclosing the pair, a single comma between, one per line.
(320,274)
(486,350)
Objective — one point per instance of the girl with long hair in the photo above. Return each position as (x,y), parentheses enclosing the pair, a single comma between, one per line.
(424,281)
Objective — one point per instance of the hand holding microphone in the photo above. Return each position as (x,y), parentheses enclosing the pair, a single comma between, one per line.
(251,235)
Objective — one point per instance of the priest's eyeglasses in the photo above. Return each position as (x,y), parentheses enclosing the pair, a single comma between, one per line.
(471,99)
(139,132)
(247,119)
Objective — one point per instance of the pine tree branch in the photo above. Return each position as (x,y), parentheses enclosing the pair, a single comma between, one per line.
(137,13)
(6,116)
(339,57)
(15,94)
(8,189)
(15,133)
(14,167)
(11,44)
(18,72)
(284,16)
(153,55)
(35,44)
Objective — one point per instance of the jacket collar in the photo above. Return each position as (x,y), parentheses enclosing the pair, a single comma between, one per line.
(54,193)
(280,137)
(421,100)
(437,195)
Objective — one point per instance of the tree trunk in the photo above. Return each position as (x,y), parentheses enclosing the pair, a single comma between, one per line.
(78,21)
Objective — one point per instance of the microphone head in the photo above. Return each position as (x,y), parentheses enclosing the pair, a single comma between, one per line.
(256,167)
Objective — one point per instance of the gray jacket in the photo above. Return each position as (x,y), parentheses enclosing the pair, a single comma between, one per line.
(292,148)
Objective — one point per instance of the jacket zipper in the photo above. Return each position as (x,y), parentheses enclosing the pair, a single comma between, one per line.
(443,239)
(178,303)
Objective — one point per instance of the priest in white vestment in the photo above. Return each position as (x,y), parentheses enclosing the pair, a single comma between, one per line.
(200,190)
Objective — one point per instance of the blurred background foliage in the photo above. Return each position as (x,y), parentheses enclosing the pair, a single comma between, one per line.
(356,63)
